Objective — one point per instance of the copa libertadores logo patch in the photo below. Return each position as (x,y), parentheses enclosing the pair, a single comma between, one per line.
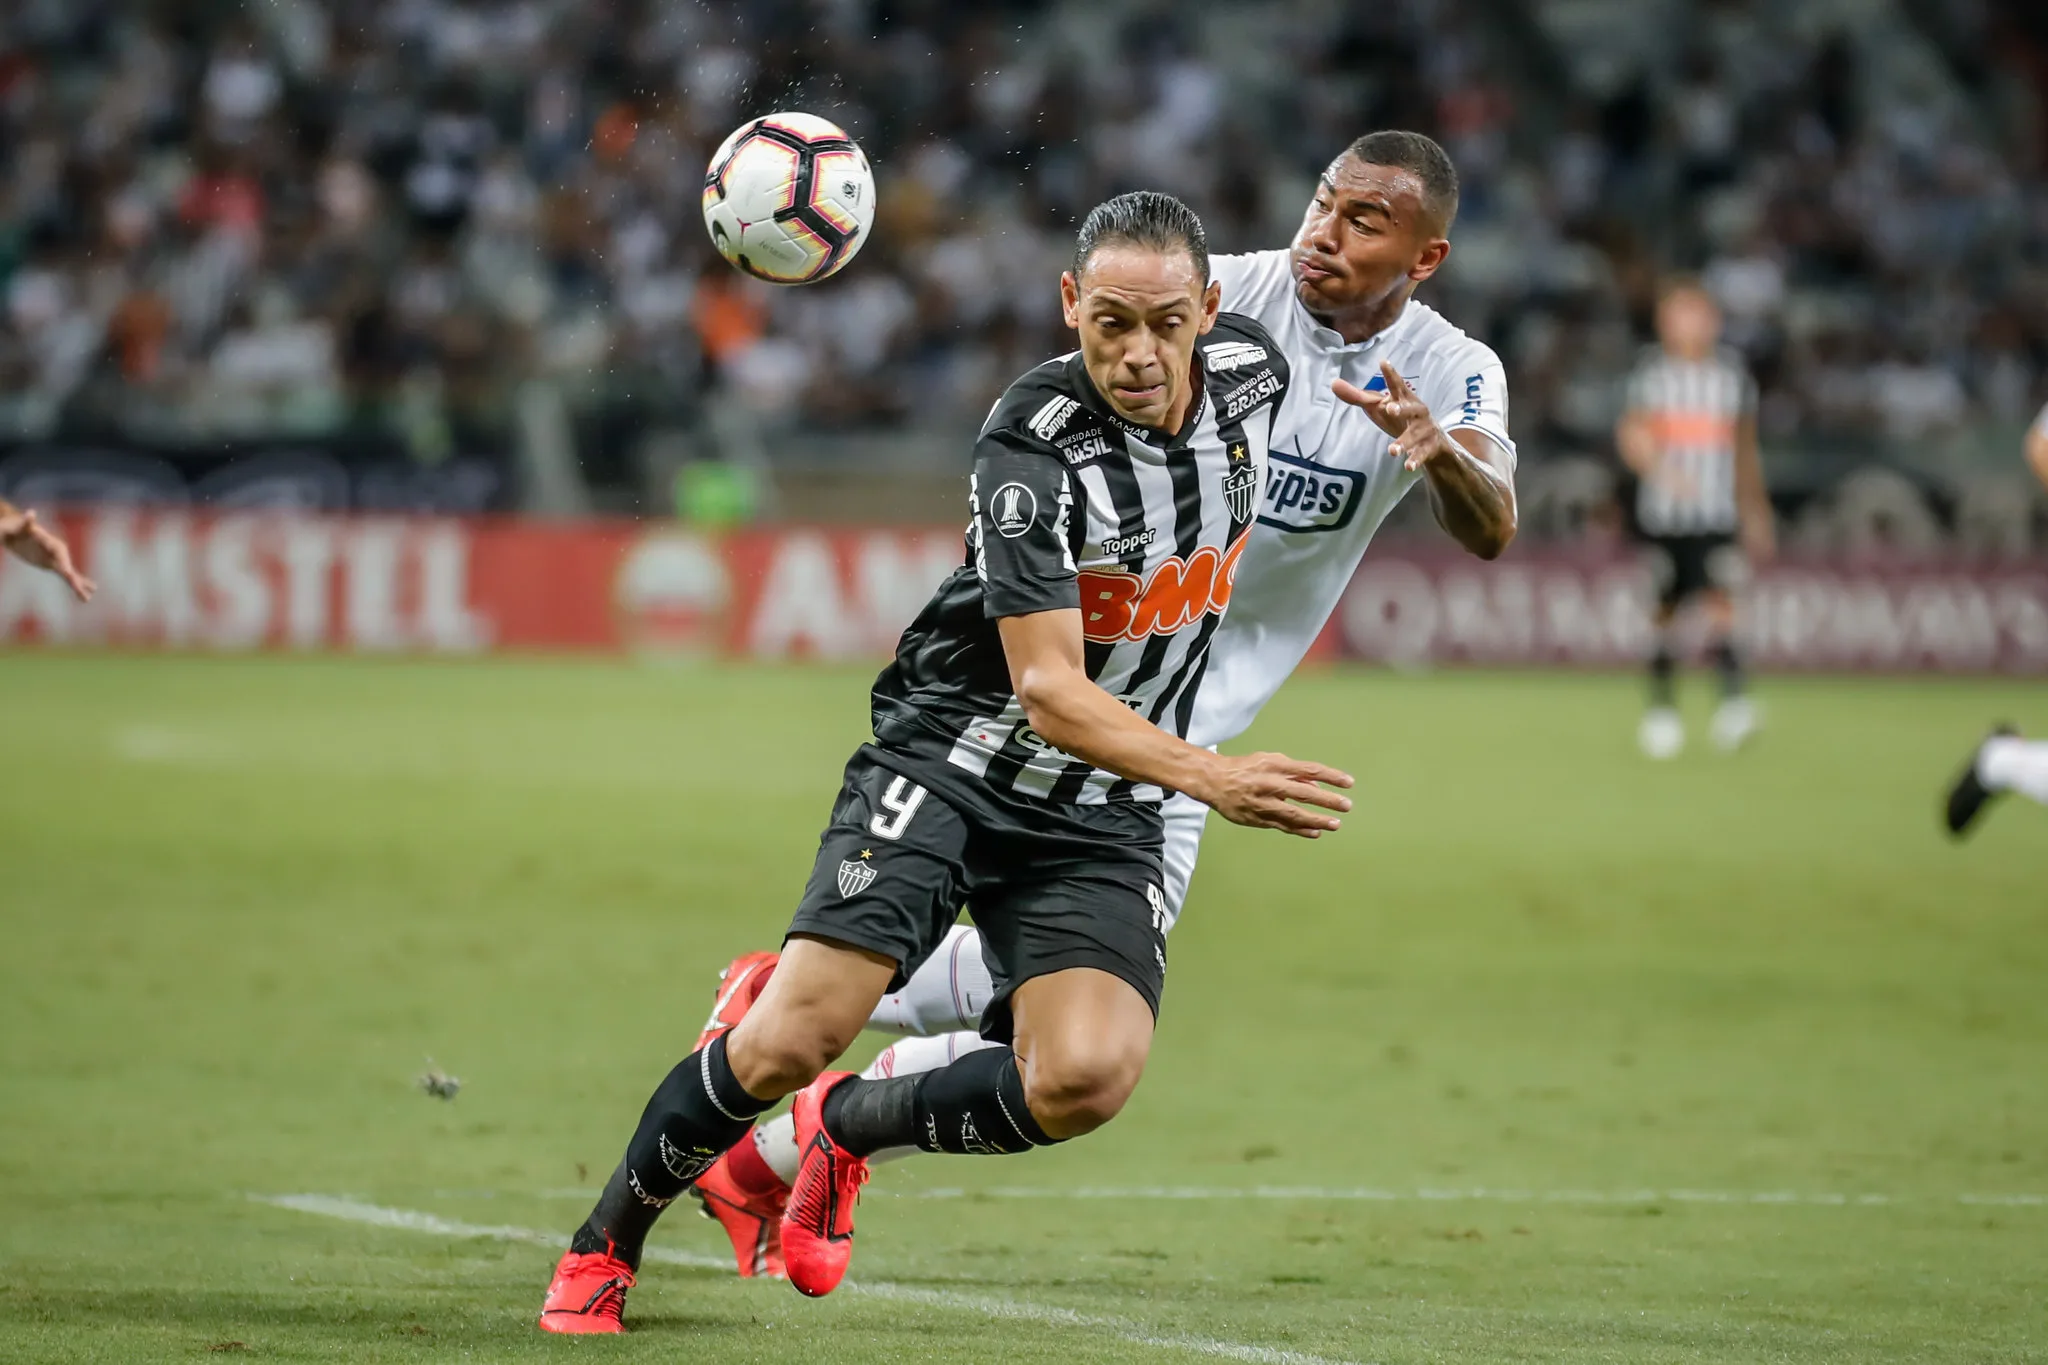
(1015,509)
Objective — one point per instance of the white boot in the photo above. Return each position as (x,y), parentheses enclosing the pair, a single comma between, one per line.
(1662,733)
(1735,722)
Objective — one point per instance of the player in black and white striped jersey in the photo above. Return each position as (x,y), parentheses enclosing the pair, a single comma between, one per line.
(1026,736)
(1688,433)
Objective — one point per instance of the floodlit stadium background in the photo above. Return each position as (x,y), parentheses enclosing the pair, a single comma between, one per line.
(389,328)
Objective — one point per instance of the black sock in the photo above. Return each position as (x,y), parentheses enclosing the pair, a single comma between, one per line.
(695,1114)
(1663,674)
(976,1105)
(1728,664)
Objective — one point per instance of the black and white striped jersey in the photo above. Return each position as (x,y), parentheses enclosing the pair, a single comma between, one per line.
(1072,507)
(1694,408)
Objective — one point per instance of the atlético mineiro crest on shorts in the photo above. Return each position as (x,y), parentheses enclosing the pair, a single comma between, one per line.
(856,875)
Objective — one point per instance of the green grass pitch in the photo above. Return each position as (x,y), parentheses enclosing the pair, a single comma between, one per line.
(1590,1060)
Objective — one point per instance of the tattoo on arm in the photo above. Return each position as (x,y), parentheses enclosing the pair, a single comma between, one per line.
(1472,499)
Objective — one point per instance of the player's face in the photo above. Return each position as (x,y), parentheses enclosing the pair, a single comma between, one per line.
(1139,310)
(1365,236)
(1688,322)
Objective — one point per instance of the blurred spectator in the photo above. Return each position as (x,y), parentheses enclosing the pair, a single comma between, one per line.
(222,220)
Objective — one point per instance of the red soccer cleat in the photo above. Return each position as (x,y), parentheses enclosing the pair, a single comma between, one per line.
(752,1220)
(817,1227)
(587,1294)
(739,986)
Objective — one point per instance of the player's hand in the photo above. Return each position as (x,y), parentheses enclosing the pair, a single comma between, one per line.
(1401,414)
(1270,791)
(35,543)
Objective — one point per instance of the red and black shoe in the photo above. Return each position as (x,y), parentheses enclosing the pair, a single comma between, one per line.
(817,1227)
(587,1295)
(752,1218)
(739,986)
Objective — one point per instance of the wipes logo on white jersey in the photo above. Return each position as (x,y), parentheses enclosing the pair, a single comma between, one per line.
(1302,495)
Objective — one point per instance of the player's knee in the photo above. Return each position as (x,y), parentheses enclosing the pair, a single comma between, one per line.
(1075,1094)
(775,1053)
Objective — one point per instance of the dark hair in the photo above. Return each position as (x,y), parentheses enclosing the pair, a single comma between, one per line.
(1143,218)
(1420,154)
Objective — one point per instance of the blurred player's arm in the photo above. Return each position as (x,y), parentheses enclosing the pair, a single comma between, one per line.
(2037,448)
(1471,479)
(1753,495)
(34,543)
(1048,671)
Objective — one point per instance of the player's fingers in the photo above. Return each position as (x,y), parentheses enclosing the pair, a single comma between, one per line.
(1396,385)
(1309,794)
(1322,772)
(80,584)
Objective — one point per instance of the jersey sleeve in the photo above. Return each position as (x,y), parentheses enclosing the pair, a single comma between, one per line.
(1023,507)
(1475,398)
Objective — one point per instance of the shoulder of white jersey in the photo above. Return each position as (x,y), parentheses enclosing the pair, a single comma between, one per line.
(1254,280)
(1043,411)
(1242,365)
(1432,338)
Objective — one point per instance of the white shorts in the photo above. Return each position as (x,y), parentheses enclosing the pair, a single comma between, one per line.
(1184,818)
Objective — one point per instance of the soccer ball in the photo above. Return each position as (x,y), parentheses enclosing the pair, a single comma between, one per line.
(788,198)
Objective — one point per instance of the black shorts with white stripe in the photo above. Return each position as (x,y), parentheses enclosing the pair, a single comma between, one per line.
(1686,566)
(1050,887)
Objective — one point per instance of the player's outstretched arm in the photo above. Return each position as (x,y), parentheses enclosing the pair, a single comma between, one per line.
(1471,488)
(1048,671)
(35,543)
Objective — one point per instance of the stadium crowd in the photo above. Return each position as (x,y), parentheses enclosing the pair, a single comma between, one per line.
(223,221)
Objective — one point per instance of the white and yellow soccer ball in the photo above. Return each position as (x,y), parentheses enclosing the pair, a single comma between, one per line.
(789,198)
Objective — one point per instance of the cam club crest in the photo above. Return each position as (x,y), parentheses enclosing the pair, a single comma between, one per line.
(856,875)
(1241,484)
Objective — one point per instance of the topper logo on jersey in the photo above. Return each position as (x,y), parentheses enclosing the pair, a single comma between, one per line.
(1016,508)
(1116,605)
(1302,495)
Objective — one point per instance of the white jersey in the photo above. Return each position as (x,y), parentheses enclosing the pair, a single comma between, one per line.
(1329,479)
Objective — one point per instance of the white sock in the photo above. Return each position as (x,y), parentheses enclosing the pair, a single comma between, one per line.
(948,992)
(775,1140)
(2012,764)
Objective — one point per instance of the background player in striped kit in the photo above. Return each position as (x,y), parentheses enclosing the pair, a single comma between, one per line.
(1026,734)
(1387,395)
(2004,762)
(1688,434)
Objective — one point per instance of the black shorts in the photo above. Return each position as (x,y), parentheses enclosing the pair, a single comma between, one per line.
(1050,887)
(1686,566)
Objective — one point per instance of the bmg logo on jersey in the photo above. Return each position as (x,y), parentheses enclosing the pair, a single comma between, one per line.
(1302,495)
(1116,605)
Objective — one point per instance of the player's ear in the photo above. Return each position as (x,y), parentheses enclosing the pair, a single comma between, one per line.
(1434,253)
(1070,299)
(1212,299)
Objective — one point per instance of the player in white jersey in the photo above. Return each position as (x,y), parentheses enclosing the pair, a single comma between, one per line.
(2004,762)
(1386,394)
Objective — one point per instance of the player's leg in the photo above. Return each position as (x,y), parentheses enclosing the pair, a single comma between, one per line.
(1076,938)
(853,929)
(1735,718)
(946,994)
(1661,734)
(2002,763)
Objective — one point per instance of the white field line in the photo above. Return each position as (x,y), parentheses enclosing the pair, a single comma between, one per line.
(414,1220)
(1461,1195)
